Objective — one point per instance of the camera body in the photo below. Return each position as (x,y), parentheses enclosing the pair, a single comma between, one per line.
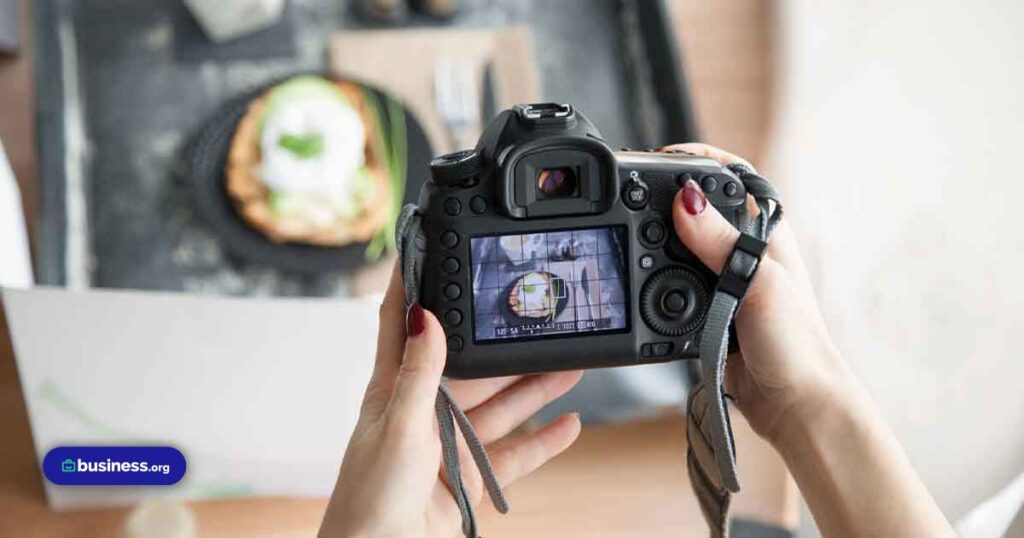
(545,250)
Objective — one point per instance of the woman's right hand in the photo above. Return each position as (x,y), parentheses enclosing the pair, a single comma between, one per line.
(795,390)
(787,361)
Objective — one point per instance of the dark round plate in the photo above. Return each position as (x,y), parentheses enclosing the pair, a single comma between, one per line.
(206,156)
(514,319)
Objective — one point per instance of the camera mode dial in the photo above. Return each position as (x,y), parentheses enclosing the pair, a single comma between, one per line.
(674,301)
(455,169)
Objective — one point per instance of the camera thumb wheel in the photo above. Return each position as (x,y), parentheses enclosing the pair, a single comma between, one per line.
(674,301)
(456,169)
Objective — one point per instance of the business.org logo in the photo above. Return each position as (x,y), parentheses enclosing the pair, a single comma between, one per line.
(109,466)
(114,465)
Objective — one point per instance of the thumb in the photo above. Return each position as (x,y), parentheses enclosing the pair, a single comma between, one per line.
(422,365)
(702,228)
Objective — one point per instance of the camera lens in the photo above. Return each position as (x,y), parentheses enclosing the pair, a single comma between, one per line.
(557,182)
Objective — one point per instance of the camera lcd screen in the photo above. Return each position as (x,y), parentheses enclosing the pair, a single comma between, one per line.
(554,283)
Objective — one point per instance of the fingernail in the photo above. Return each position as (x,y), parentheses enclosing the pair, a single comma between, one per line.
(693,198)
(414,320)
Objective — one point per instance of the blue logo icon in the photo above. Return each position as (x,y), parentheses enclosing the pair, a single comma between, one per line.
(67,466)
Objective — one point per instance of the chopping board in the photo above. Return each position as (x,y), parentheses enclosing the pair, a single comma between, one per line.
(404,63)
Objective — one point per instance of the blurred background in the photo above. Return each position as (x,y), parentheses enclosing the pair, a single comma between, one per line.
(134,132)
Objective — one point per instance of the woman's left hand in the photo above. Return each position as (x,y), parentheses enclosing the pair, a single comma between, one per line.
(390,483)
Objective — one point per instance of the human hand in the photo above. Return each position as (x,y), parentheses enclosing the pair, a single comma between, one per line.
(787,363)
(390,483)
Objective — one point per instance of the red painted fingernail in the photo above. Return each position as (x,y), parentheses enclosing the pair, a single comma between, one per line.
(693,198)
(414,320)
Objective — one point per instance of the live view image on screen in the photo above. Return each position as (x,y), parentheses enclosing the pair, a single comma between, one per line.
(564,282)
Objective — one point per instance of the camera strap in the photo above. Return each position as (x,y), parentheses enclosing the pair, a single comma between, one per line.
(411,249)
(711,454)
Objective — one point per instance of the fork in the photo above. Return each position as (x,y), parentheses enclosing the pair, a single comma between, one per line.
(457,101)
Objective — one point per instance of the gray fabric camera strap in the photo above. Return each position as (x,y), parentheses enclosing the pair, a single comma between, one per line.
(411,246)
(710,457)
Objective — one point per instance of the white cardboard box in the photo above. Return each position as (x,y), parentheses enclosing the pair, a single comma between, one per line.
(260,395)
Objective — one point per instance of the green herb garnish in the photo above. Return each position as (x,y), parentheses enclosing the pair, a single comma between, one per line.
(390,144)
(276,202)
(303,146)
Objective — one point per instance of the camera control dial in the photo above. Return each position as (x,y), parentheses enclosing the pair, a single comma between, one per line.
(674,301)
(455,169)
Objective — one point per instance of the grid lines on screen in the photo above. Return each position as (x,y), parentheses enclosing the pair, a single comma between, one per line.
(548,283)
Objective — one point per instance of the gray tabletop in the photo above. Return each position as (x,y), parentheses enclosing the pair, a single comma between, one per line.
(147,80)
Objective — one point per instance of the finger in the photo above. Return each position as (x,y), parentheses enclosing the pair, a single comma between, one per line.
(702,228)
(390,346)
(469,393)
(735,370)
(471,478)
(498,416)
(524,455)
(712,152)
(783,248)
(419,375)
(783,245)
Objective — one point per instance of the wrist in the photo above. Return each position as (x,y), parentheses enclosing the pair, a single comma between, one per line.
(832,400)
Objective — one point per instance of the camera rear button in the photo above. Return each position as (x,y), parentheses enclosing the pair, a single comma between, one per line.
(453,207)
(452,291)
(709,184)
(653,232)
(449,239)
(674,302)
(635,195)
(657,349)
(477,204)
(730,188)
(450,265)
(646,261)
(453,318)
(455,343)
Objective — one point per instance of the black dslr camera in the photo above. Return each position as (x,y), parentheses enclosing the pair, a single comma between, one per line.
(546,250)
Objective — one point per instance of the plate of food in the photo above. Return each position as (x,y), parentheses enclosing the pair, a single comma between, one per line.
(535,297)
(308,174)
